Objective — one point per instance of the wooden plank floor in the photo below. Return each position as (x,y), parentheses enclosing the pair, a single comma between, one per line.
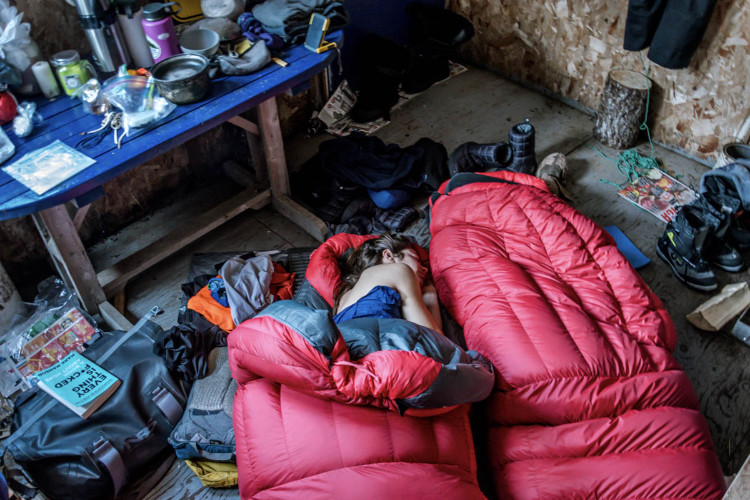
(480,106)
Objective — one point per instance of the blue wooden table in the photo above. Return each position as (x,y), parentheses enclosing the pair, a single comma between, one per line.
(65,120)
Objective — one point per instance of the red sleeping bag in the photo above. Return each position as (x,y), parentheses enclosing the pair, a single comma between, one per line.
(295,370)
(588,401)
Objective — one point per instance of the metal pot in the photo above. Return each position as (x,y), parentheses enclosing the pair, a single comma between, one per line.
(182,79)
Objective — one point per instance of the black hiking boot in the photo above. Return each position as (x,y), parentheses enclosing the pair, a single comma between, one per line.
(681,247)
(738,233)
(719,216)
(522,142)
(473,157)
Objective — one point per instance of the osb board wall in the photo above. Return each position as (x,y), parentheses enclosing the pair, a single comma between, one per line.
(55,27)
(569,46)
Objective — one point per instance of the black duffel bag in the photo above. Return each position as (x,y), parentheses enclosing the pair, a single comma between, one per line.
(68,457)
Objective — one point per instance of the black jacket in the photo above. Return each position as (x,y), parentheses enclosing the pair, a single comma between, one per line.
(673,29)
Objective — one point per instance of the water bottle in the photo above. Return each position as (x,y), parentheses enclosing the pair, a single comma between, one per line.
(130,17)
(159,30)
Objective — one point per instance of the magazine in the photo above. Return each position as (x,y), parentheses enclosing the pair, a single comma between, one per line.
(659,194)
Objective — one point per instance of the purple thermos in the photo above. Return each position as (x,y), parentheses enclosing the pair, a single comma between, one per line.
(159,30)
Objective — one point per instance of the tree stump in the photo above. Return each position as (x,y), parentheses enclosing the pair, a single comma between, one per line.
(621,109)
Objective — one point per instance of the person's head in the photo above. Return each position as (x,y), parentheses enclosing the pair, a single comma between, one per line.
(385,249)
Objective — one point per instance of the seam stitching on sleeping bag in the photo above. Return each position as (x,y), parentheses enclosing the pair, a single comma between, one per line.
(489,274)
(561,277)
(283,426)
(613,295)
(387,417)
(589,376)
(336,432)
(594,319)
(536,285)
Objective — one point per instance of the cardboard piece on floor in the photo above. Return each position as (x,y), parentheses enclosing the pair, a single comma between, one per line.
(627,247)
(717,311)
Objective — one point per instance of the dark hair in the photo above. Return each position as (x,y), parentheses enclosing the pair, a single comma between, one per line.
(368,254)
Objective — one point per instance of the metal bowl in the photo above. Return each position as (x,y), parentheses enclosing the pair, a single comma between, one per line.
(182,79)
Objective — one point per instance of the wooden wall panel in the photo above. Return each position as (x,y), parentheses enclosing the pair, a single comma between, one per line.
(569,46)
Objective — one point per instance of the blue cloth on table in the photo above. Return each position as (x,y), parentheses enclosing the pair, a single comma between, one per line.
(380,302)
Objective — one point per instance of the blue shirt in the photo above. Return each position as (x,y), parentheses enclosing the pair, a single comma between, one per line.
(380,302)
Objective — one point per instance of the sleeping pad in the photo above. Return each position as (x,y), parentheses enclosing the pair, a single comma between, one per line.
(588,400)
(373,407)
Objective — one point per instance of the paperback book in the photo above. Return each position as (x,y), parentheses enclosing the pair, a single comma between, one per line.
(78,383)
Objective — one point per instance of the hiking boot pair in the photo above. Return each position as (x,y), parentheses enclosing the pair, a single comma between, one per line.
(693,240)
(516,155)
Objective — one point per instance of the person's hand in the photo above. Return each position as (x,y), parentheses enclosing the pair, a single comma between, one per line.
(431,300)
(429,294)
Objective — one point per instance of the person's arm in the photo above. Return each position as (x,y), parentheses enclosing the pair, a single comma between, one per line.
(413,306)
(430,298)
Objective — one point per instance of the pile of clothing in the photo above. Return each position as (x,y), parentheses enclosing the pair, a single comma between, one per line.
(195,353)
(289,19)
(359,185)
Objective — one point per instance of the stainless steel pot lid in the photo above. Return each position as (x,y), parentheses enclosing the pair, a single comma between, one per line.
(179,67)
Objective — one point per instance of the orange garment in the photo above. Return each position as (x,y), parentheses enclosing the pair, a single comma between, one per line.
(203,303)
(282,283)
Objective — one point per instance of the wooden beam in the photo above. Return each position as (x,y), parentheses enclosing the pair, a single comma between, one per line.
(252,134)
(739,489)
(113,279)
(244,124)
(113,317)
(273,143)
(69,255)
(119,301)
(80,216)
(301,216)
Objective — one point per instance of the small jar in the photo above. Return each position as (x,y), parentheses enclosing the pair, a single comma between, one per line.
(72,71)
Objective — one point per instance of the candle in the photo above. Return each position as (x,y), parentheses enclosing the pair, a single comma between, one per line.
(47,82)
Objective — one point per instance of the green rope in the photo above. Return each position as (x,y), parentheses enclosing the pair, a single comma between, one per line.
(630,163)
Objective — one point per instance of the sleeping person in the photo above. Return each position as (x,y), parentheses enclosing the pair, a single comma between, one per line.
(384,278)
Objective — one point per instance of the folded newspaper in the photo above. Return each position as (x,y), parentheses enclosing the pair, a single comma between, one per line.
(335,113)
(658,193)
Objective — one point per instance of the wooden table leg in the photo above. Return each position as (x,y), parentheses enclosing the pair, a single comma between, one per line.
(278,176)
(69,256)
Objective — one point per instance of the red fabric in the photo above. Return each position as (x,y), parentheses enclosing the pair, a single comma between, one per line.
(265,347)
(323,272)
(291,445)
(295,438)
(589,401)
(282,283)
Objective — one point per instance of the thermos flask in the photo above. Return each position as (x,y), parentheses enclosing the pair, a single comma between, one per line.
(130,16)
(160,34)
(99,23)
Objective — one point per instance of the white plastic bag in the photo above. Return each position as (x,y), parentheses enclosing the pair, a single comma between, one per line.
(18,48)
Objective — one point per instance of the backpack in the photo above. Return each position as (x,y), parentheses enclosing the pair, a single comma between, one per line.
(68,457)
